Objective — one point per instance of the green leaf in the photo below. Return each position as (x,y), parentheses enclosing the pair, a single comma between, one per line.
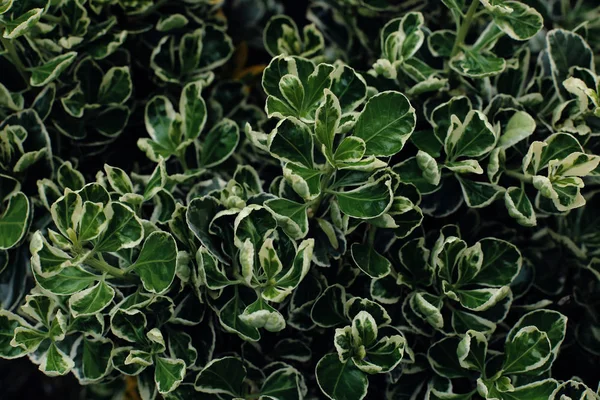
(118,179)
(210,272)
(551,322)
(124,229)
(383,356)
(168,374)
(519,206)
(442,357)
(285,383)
(291,141)
(157,261)
(193,110)
(479,194)
(305,182)
(327,122)
(92,300)
(92,358)
(230,321)
(370,261)
(8,323)
(472,137)
(129,325)
(261,315)
(14,220)
(55,362)
(21,25)
(386,123)
(219,144)
(341,381)
(5,5)
(472,351)
(427,307)
(477,64)
(526,350)
(350,150)
(367,201)
(520,126)
(349,87)
(522,23)
(159,117)
(329,309)
(567,49)
(290,216)
(222,376)
(49,71)
(481,299)
(364,329)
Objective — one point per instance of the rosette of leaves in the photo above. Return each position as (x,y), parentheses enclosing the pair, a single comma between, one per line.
(177,133)
(401,39)
(282,37)
(331,152)
(244,262)
(452,287)
(529,351)
(352,27)
(362,350)
(230,376)
(514,19)
(96,107)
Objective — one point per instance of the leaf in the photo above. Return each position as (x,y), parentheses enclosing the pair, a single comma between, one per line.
(159,116)
(501,263)
(92,358)
(329,309)
(528,349)
(230,321)
(479,194)
(168,374)
(14,221)
(369,261)
(210,272)
(92,300)
(477,64)
(327,121)
(341,381)
(219,144)
(472,351)
(193,110)
(118,179)
(520,126)
(291,141)
(261,315)
(367,201)
(8,323)
(385,355)
(49,71)
(519,206)
(481,299)
(285,383)
(351,149)
(21,25)
(55,362)
(442,357)
(290,216)
(349,87)
(386,123)
(522,23)
(222,376)
(566,50)
(124,229)
(472,137)
(156,263)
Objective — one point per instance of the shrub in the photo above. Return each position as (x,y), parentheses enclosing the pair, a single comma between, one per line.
(400,203)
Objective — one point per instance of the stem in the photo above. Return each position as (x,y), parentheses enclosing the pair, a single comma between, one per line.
(182,161)
(324,182)
(13,57)
(464,28)
(103,266)
(372,232)
(517,175)
(52,18)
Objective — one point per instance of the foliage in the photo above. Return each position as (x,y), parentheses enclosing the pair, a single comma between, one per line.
(219,201)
